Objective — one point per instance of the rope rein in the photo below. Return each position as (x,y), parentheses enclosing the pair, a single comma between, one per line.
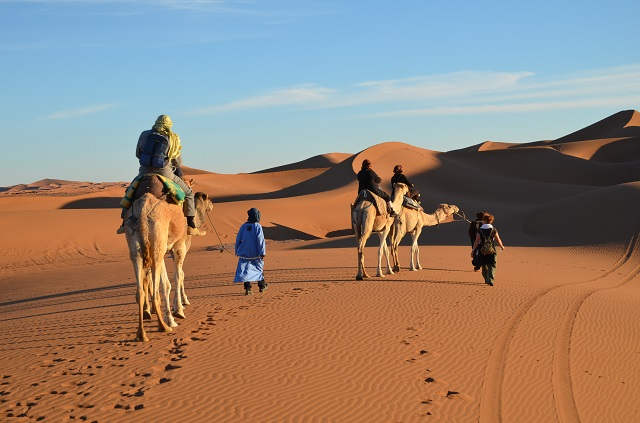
(222,247)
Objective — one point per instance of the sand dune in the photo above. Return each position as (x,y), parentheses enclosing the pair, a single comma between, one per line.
(555,340)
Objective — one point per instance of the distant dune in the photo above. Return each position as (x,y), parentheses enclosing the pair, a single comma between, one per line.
(543,193)
(322,161)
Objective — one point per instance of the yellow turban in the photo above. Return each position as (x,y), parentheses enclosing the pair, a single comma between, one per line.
(163,126)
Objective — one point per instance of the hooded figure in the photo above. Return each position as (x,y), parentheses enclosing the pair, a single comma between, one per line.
(251,249)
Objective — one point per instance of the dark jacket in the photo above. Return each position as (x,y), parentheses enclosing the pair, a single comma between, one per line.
(399,177)
(368,179)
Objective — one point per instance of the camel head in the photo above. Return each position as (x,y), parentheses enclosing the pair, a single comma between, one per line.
(203,205)
(445,212)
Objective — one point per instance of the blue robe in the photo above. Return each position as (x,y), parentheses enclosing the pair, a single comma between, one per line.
(250,248)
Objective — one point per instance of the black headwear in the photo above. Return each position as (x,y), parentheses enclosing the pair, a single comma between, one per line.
(254,215)
(365,164)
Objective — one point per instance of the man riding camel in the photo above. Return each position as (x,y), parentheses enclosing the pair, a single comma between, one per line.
(159,151)
(398,176)
(369,180)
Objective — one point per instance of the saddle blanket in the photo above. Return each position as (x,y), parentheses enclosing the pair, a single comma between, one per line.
(378,202)
(172,188)
(410,203)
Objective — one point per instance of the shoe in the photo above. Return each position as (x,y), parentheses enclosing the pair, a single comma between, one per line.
(195,231)
(248,292)
(476,268)
(262,286)
(489,283)
(120,230)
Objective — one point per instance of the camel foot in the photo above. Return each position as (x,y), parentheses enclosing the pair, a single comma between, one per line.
(179,314)
(164,328)
(359,277)
(172,323)
(380,275)
(419,267)
(413,269)
(185,301)
(146,315)
(396,269)
(141,336)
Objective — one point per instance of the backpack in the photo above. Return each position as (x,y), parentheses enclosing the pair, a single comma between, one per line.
(487,246)
(155,151)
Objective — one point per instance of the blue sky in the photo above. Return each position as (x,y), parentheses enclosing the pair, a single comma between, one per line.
(253,84)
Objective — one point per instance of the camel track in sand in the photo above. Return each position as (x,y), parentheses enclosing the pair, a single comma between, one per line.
(491,404)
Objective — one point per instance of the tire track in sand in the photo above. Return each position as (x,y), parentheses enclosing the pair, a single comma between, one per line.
(566,407)
(491,397)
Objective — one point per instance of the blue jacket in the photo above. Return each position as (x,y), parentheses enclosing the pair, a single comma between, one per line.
(250,241)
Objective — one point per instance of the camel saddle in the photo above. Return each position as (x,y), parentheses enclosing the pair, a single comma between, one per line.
(152,184)
(377,201)
(410,203)
(159,186)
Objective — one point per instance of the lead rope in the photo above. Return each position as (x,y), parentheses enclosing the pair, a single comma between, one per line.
(222,247)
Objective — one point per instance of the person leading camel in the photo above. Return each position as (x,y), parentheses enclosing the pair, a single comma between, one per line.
(369,180)
(486,240)
(251,249)
(159,151)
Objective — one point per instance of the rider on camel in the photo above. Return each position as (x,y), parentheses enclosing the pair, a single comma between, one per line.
(166,162)
(398,176)
(369,180)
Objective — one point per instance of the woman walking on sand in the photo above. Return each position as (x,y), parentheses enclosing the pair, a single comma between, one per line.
(486,240)
(251,249)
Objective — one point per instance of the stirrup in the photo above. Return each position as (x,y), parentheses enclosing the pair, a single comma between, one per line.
(120,229)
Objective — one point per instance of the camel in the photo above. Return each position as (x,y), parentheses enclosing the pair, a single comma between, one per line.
(365,221)
(160,227)
(412,221)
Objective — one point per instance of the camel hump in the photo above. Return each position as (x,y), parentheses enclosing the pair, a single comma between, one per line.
(151,184)
(376,200)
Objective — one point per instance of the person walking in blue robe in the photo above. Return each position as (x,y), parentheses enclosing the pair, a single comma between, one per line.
(251,249)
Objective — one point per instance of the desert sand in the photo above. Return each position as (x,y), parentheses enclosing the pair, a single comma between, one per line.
(557,338)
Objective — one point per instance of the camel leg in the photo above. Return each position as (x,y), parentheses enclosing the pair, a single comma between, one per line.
(362,272)
(413,251)
(157,275)
(165,290)
(178,259)
(396,237)
(148,296)
(417,247)
(383,250)
(183,255)
(383,242)
(140,297)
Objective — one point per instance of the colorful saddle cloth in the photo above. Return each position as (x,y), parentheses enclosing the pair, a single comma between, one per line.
(173,190)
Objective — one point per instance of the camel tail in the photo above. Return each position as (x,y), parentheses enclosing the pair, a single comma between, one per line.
(142,213)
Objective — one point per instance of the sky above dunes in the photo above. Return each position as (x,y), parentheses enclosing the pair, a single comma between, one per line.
(256,84)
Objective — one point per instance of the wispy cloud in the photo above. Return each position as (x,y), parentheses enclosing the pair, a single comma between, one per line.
(465,92)
(82,111)
(239,7)
(298,95)
(622,101)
